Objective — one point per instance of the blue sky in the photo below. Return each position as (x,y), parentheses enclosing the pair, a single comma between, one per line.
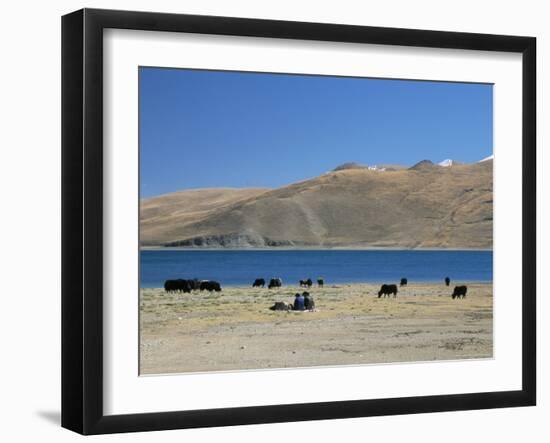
(232,129)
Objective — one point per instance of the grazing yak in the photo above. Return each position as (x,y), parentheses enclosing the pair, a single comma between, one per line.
(194,284)
(320,282)
(170,285)
(210,285)
(178,285)
(275,283)
(281,306)
(386,290)
(403,282)
(184,285)
(447,281)
(258,283)
(306,283)
(459,292)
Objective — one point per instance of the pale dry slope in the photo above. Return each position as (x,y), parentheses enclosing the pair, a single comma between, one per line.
(425,206)
(161,217)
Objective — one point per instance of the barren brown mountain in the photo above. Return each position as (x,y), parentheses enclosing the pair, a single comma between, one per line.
(426,206)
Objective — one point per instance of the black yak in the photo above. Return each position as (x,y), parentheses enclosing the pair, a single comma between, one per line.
(171,285)
(275,283)
(403,282)
(447,281)
(459,292)
(178,285)
(183,285)
(320,282)
(386,290)
(210,286)
(259,282)
(194,284)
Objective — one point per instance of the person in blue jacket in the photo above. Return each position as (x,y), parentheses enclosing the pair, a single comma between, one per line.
(298,302)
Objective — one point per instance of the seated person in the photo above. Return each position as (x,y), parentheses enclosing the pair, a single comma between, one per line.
(309,303)
(298,302)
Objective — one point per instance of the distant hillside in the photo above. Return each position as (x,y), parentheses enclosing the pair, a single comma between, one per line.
(162,218)
(427,206)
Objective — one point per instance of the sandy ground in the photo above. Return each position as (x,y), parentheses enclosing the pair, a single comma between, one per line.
(235,330)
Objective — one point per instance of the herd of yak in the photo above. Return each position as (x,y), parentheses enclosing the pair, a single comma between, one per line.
(181,285)
(277,283)
(387,290)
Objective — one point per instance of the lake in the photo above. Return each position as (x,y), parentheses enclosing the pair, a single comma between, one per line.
(241,267)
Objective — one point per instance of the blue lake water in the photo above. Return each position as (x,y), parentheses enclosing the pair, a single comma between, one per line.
(241,267)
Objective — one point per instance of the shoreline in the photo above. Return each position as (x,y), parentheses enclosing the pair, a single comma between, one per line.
(337,285)
(311,248)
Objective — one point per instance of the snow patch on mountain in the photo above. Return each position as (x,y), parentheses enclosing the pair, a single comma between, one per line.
(491,157)
(446,163)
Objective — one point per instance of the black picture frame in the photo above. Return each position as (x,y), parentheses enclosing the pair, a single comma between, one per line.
(82,218)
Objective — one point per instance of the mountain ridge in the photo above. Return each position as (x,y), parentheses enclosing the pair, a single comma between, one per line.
(425,207)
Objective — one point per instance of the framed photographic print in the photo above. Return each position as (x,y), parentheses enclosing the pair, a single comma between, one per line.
(269,221)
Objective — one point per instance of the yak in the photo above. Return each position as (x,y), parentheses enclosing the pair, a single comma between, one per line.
(403,282)
(259,282)
(320,282)
(178,285)
(386,290)
(170,285)
(447,281)
(183,285)
(210,285)
(459,292)
(275,283)
(194,284)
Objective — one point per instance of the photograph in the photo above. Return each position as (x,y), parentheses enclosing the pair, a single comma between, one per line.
(293,220)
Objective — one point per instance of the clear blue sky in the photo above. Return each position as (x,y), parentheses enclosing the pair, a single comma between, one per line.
(232,129)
